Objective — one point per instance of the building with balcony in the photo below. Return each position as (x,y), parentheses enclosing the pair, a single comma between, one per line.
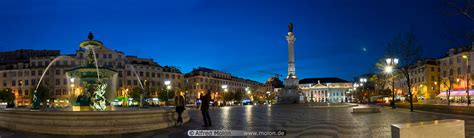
(424,79)
(456,74)
(23,55)
(203,79)
(21,71)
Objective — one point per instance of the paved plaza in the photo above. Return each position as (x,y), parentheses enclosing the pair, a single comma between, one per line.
(298,120)
(309,121)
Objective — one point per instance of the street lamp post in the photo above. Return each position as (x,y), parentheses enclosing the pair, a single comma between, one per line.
(362,82)
(467,79)
(224,87)
(168,87)
(391,63)
(247,89)
(72,86)
(268,96)
(355,87)
(144,94)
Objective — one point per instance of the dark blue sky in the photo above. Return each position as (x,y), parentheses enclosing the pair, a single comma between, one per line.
(241,37)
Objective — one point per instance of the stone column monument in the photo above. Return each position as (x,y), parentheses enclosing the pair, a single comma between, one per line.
(290,93)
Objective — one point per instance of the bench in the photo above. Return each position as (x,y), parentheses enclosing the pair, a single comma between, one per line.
(452,128)
(365,110)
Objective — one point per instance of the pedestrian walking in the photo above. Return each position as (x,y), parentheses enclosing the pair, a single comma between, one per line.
(205,100)
(180,102)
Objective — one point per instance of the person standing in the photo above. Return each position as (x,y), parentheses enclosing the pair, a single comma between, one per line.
(180,102)
(205,100)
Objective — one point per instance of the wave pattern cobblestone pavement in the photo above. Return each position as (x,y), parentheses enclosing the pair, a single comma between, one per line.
(297,120)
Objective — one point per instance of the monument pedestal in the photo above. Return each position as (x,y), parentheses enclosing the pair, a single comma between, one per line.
(289,94)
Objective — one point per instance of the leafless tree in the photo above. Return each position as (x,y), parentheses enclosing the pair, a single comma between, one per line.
(448,83)
(461,7)
(407,49)
(460,34)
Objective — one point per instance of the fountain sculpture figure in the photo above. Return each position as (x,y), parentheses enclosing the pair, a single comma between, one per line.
(93,77)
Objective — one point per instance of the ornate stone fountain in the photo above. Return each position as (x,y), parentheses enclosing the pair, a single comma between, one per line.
(93,78)
(97,88)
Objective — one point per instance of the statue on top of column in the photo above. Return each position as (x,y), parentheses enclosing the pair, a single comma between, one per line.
(290,27)
(90,36)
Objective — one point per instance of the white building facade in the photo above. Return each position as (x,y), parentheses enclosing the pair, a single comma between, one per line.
(325,90)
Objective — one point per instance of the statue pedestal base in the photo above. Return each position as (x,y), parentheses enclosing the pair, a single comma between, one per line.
(288,96)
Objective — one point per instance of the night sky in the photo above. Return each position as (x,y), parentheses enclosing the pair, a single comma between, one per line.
(340,38)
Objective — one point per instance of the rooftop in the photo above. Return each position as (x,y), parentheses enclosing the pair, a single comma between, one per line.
(322,80)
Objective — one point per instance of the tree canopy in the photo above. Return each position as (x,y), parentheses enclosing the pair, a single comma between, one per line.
(42,93)
(165,95)
(6,95)
(135,93)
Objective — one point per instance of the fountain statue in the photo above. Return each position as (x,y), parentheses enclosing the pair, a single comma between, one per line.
(94,78)
(98,99)
(93,88)
(36,101)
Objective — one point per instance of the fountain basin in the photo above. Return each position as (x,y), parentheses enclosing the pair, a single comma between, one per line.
(88,108)
(89,122)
